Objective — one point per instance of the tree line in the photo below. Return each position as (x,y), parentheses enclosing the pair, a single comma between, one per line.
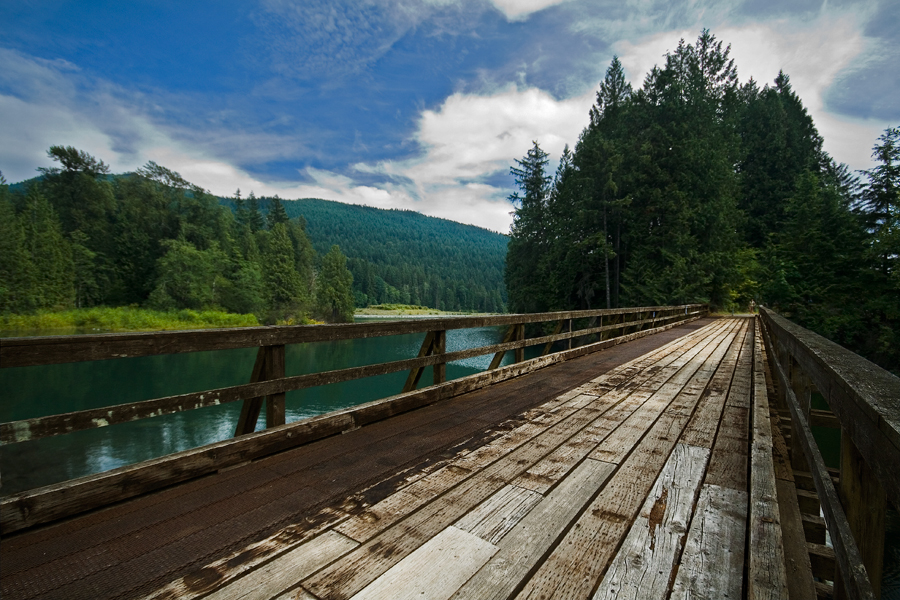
(696,188)
(404,257)
(79,237)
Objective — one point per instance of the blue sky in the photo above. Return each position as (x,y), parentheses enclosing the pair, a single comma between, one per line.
(415,104)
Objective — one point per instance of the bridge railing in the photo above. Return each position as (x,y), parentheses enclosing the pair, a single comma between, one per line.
(865,400)
(269,384)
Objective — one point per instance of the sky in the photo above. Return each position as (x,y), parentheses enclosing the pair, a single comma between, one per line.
(409,104)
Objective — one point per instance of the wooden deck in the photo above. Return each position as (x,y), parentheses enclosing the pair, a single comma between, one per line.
(650,476)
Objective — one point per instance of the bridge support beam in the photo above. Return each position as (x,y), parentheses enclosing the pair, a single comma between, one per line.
(269,365)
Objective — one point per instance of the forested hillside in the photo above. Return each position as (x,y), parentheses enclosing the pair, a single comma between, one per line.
(696,188)
(399,256)
(78,237)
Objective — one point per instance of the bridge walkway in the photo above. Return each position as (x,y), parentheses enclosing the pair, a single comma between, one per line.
(624,473)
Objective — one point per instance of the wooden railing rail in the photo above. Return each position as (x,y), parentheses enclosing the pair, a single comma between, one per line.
(268,377)
(865,400)
(64,499)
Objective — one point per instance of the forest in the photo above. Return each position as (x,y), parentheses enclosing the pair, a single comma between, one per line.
(77,237)
(404,257)
(697,188)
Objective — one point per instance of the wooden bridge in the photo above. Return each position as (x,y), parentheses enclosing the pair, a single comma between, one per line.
(657,453)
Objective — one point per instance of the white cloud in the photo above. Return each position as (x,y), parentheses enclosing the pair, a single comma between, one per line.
(471,137)
(518,10)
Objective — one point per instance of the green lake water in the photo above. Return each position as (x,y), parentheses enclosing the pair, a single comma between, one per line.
(30,392)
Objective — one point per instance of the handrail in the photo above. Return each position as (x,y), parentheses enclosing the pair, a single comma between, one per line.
(19,351)
(866,402)
(64,499)
(46,350)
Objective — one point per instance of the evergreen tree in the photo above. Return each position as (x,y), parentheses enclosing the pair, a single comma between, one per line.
(254,217)
(277,213)
(16,271)
(283,284)
(49,254)
(334,295)
(526,243)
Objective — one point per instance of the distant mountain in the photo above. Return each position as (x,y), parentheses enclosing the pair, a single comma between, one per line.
(401,256)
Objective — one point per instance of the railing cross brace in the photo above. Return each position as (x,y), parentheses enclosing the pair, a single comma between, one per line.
(269,365)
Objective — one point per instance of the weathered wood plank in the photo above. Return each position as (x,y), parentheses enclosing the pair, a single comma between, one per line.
(498,514)
(229,569)
(435,570)
(627,399)
(285,571)
(576,564)
(20,352)
(644,565)
(702,428)
(865,504)
(712,564)
(349,575)
(377,518)
(796,558)
(694,375)
(766,577)
(536,533)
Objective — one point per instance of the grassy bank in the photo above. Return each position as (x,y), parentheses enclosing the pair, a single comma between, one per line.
(405,310)
(122,318)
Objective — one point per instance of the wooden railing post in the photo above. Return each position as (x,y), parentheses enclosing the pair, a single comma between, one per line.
(520,336)
(415,374)
(800,387)
(439,346)
(864,501)
(275,370)
(269,365)
(570,331)
(549,345)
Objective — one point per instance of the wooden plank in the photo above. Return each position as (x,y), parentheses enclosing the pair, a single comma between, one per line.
(780,455)
(528,541)
(712,564)
(630,400)
(627,399)
(376,518)
(498,514)
(56,501)
(796,557)
(766,577)
(284,572)
(28,351)
(695,375)
(644,565)
(229,569)
(702,428)
(580,559)
(435,570)
(349,575)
